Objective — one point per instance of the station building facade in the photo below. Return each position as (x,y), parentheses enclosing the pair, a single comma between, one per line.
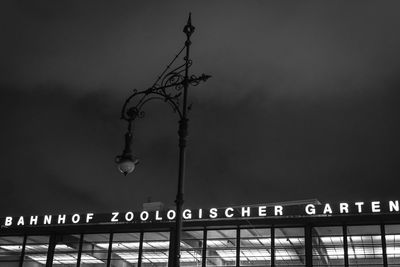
(312,234)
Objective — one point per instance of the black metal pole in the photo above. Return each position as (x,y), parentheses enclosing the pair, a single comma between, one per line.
(180,79)
(182,132)
(308,245)
(345,246)
(383,239)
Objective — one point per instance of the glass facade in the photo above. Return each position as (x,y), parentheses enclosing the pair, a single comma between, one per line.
(10,250)
(289,247)
(344,245)
(221,248)
(94,250)
(328,246)
(255,247)
(392,241)
(192,248)
(35,251)
(125,248)
(364,245)
(155,250)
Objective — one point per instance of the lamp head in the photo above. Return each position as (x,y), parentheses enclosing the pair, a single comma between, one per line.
(126,163)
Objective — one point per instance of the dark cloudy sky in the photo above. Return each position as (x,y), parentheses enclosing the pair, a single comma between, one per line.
(303,103)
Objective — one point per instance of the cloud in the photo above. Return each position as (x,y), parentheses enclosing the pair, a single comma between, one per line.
(302,104)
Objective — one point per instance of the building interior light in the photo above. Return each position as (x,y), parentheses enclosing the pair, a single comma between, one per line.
(126,251)
(65,259)
(253,249)
(28,248)
(255,255)
(360,246)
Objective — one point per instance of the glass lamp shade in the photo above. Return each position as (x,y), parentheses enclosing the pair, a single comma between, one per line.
(126,165)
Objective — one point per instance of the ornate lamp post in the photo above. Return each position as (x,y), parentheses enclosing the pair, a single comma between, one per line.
(171,87)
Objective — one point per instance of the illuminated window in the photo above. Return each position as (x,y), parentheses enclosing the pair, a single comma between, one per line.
(328,247)
(155,249)
(10,250)
(289,247)
(36,249)
(255,247)
(191,248)
(393,244)
(364,245)
(66,250)
(221,248)
(125,249)
(95,250)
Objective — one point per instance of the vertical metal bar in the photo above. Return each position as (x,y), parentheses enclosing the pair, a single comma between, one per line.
(140,249)
(308,246)
(384,252)
(345,246)
(109,249)
(238,246)
(50,250)
(78,261)
(272,246)
(171,247)
(22,256)
(204,254)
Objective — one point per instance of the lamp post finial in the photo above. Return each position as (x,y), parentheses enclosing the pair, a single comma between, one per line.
(189,28)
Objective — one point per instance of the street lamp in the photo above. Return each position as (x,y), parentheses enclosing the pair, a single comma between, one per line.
(171,87)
